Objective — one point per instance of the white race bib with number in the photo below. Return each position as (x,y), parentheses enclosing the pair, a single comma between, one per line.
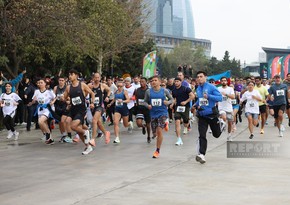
(40,101)
(156,102)
(203,102)
(280,92)
(58,96)
(7,103)
(225,98)
(180,109)
(119,103)
(76,101)
(252,104)
(234,101)
(97,101)
(141,101)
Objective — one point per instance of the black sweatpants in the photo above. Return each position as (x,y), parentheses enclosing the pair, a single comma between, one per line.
(203,123)
(8,121)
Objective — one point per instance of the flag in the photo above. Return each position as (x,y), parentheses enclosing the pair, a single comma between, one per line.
(149,64)
(217,77)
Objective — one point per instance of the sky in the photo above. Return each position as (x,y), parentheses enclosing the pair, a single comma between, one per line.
(242,27)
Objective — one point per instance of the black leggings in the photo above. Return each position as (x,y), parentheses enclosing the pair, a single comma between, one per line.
(8,121)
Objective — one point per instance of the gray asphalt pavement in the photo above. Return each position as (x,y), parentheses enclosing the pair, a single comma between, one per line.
(34,173)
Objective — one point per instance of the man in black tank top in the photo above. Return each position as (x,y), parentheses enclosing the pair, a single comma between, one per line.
(61,110)
(142,112)
(76,93)
(98,88)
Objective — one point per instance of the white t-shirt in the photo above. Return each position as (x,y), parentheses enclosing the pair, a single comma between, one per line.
(226,103)
(130,91)
(43,98)
(8,102)
(113,89)
(252,105)
(136,85)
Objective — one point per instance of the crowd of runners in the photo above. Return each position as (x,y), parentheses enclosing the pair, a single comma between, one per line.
(82,107)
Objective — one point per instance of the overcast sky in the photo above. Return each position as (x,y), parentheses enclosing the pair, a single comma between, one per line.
(242,26)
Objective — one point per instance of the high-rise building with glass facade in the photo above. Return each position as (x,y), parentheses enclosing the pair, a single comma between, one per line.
(171,22)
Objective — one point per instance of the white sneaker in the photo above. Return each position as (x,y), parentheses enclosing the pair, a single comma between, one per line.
(229,138)
(87,136)
(200,158)
(117,140)
(43,138)
(282,128)
(130,128)
(16,135)
(185,130)
(222,125)
(280,133)
(10,134)
(179,141)
(87,150)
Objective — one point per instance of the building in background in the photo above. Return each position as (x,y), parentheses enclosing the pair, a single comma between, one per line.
(171,22)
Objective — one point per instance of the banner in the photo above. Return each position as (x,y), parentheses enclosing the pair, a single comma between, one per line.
(286,65)
(149,65)
(274,67)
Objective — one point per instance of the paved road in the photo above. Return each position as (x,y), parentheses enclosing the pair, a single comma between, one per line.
(34,173)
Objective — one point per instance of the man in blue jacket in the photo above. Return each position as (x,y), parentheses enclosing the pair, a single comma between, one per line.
(207,112)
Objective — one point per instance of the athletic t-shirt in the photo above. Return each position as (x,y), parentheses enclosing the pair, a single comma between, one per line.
(226,103)
(263,92)
(181,94)
(279,91)
(252,105)
(8,102)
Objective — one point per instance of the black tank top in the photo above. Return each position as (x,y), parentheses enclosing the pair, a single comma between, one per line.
(59,92)
(140,95)
(98,96)
(77,98)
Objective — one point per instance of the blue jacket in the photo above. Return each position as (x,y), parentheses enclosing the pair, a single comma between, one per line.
(14,82)
(214,96)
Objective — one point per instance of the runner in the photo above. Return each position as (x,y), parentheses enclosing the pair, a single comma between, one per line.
(182,96)
(76,93)
(111,109)
(99,88)
(142,113)
(45,99)
(61,110)
(121,110)
(287,82)
(236,107)
(262,104)
(155,100)
(278,93)
(9,102)
(225,107)
(208,95)
(253,98)
(130,89)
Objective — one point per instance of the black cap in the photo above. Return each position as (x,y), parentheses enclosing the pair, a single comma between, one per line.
(177,78)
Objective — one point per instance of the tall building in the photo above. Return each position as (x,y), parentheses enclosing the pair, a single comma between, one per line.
(171,22)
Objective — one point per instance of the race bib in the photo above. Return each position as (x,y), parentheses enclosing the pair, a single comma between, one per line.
(280,92)
(7,103)
(156,102)
(76,101)
(97,101)
(203,102)
(119,103)
(180,109)
(225,98)
(58,96)
(252,104)
(41,101)
(234,101)
(141,101)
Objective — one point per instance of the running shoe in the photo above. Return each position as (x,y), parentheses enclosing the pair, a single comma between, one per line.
(282,128)
(154,136)
(148,140)
(179,142)
(130,128)
(16,135)
(166,128)
(185,130)
(281,133)
(155,154)
(100,134)
(67,139)
(49,141)
(87,150)
(144,130)
(107,137)
(62,139)
(262,131)
(258,124)
(222,125)
(230,138)
(251,136)
(10,134)
(200,158)
(117,140)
